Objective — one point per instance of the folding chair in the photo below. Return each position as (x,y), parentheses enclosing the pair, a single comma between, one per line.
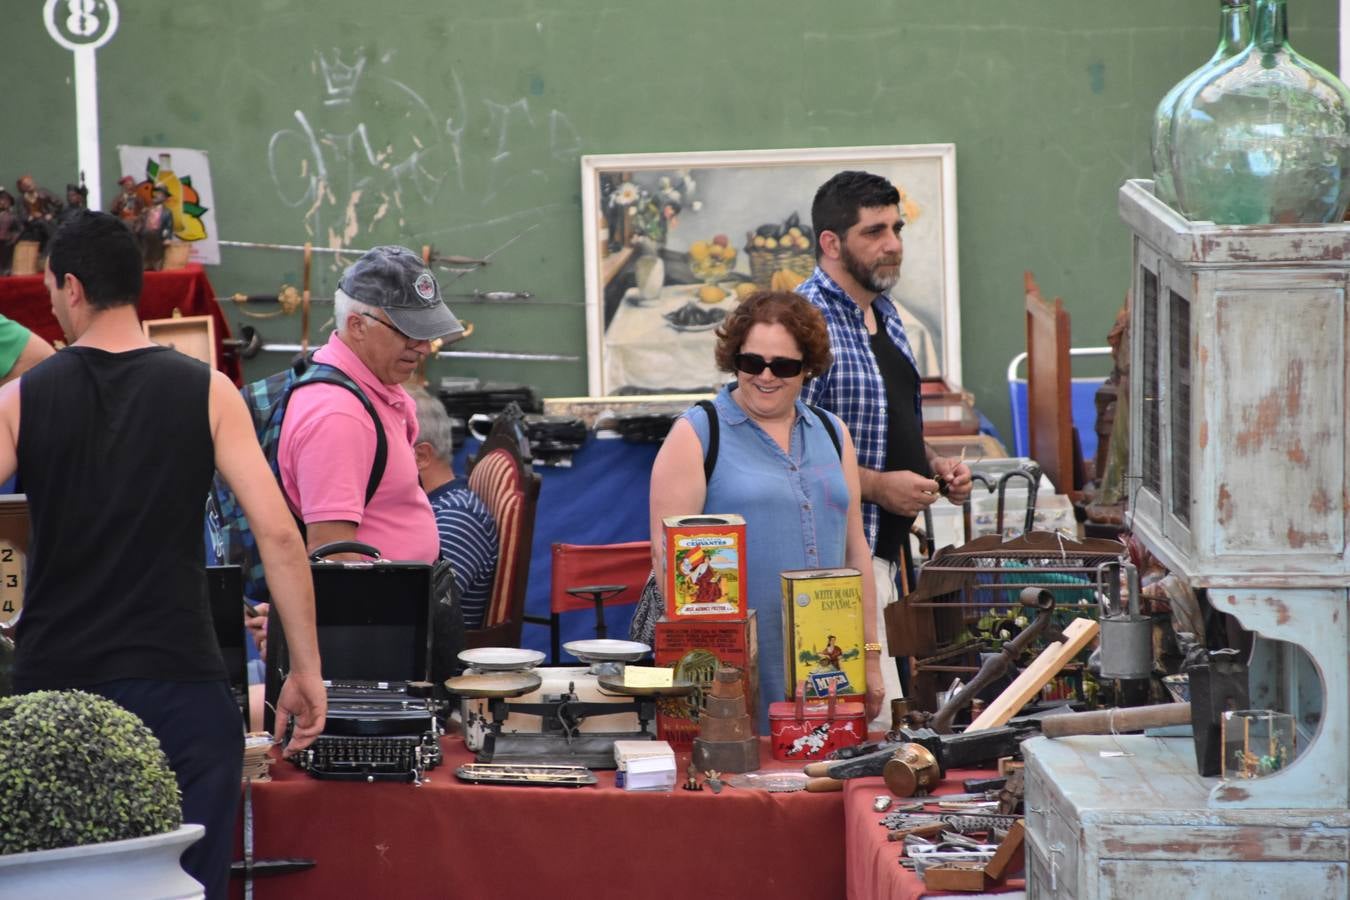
(593,577)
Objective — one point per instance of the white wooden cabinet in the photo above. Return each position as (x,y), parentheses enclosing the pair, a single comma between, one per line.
(1123,818)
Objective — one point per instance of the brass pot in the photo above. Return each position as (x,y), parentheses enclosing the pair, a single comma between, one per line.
(911,769)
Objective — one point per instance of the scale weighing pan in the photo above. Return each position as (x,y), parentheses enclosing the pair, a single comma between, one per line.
(606,650)
(501,659)
(614,684)
(495,684)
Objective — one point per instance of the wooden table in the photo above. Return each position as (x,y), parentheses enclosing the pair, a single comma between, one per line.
(446,838)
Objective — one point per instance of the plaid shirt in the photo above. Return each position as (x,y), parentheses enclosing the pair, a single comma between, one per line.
(852,387)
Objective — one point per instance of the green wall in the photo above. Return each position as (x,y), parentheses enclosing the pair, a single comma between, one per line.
(482,111)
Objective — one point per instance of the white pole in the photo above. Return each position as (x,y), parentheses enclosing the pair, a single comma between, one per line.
(86,124)
(82,26)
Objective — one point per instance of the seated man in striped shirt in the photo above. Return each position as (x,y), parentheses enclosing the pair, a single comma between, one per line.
(467,529)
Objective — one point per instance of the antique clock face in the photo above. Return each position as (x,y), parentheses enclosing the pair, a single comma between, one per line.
(12,566)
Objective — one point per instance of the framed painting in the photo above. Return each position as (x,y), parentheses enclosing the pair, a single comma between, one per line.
(672,240)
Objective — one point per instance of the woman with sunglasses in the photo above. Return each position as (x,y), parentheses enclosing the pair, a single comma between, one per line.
(777,466)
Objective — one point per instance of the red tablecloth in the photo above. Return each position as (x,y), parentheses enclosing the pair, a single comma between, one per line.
(873,862)
(447,838)
(24,299)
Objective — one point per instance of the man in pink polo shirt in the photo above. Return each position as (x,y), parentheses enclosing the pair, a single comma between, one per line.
(388,309)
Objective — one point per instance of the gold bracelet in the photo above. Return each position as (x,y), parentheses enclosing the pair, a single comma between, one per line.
(872,648)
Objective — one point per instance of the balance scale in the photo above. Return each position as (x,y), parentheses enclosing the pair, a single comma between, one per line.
(514,712)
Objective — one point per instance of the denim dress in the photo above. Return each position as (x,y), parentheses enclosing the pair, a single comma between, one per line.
(795,506)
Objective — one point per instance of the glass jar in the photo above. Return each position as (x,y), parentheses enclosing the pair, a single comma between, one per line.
(1264,137)
(1256,743)
(1235,33)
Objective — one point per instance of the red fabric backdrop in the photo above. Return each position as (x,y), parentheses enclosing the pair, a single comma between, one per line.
(24,299)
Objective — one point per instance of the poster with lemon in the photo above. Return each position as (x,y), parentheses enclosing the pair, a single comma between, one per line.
(186,175)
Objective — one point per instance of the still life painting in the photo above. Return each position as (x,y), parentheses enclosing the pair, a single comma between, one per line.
(674,240)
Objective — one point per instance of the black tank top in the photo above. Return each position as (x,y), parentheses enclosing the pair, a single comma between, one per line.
(904,437)
(116,456)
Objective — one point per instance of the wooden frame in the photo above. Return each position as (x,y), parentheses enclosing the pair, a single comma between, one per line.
(659,205)
(1049,412)
(193,336)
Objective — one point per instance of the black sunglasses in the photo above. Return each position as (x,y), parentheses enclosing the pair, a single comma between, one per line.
(753,364)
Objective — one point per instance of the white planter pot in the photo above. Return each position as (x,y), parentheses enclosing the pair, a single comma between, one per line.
(137,869)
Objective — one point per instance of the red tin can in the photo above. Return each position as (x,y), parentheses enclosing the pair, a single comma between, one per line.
(800,730)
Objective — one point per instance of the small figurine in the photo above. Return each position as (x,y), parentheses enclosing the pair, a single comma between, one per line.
(128,205)
(77,195)
(714,778)
(691,782)
(37,210)
(10,226)
(156,228)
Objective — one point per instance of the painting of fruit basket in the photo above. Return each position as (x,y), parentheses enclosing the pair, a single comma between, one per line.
(672,240)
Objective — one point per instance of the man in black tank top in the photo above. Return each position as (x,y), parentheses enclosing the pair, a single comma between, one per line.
(118,444)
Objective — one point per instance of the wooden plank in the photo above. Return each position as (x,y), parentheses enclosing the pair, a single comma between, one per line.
(1236,843)
(1035,676)
(1049,412)
(1202,880)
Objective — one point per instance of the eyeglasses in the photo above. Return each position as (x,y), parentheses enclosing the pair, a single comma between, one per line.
(753,364)
(411,341)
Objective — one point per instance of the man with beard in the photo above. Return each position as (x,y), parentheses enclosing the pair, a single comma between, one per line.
(873,383)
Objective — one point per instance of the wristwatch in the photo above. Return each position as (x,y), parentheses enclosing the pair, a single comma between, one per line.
(872,648)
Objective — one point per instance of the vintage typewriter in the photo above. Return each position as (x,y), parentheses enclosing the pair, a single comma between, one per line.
(373,624)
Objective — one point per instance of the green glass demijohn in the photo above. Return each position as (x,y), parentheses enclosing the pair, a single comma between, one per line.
(1235,33)
(1264,137)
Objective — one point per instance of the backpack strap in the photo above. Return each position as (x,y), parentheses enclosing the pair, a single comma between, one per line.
(322,373)
(829,428)
(710,455)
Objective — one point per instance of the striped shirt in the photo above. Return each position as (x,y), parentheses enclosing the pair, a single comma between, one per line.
(469,540)
(852,388)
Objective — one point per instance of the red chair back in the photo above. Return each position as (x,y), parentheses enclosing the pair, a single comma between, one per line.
(576,565)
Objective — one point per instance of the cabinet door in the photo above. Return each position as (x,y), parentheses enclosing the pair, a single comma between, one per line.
(1145,481)
(1275,405)
(1179,450)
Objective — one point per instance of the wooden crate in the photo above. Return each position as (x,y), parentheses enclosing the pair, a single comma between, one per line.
(193,336)
(1127,816)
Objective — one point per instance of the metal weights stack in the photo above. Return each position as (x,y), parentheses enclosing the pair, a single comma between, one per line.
(726,741)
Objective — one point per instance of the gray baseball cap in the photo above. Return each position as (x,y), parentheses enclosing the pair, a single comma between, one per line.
(396,280)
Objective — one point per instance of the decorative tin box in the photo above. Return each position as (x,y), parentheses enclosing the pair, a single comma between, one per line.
(823,631)
(696,649)
(800,730)
(705,566)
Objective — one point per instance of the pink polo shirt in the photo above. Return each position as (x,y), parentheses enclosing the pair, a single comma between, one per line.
(328,447)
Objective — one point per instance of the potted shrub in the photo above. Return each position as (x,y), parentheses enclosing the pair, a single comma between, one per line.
(88,804)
